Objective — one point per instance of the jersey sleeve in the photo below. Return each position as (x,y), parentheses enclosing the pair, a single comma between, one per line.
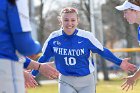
(27,62)
(93,42)
(96,47)
(107,54)
(139,35)
(18,16)
(25,44)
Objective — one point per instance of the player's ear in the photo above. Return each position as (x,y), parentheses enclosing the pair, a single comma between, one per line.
(59,19)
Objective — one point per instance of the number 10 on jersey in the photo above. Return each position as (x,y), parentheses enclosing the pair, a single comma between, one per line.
(70,61)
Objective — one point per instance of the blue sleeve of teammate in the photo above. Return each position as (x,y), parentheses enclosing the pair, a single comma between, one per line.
(139,35)
(44,58)
(25,44)
(18,18)
(107,54)
(27,62)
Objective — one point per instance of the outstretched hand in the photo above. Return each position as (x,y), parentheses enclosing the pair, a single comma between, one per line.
(126,66)
(30,82)
(48,71)
(129,83)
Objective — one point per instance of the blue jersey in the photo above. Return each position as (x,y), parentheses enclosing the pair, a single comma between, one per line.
(71,52)
(139,35)
(15,30)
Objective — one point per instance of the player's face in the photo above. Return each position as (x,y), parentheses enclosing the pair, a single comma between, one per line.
(69,22)
(130,16)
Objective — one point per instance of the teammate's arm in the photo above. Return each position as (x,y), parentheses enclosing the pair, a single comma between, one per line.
(20,29)
(45,69)
(25,44)
(31,64)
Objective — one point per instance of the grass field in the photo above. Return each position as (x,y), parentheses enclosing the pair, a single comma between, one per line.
(102,87)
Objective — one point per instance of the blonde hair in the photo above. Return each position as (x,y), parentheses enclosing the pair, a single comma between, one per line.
(136,2)
(69,10)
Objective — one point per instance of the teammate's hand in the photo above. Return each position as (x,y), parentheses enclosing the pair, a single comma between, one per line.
(126,66)
(29,80)
(48,71)
(129,83)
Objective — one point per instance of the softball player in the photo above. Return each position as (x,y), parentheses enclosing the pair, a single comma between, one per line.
(71,48)
(131,9)
(15,35)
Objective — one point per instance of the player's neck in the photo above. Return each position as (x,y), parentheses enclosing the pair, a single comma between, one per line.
(69,31)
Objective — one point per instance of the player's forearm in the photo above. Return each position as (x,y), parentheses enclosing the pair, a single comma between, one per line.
(107,54)
(32,47)
(31,64)
(42,59)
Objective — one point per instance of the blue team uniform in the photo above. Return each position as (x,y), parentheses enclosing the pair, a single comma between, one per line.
(15,30)
(15,38)
(139,35)
(71,52)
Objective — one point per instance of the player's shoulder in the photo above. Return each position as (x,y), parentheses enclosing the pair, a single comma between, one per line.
(56,33)
(84,33)
(53,35)
(89,36)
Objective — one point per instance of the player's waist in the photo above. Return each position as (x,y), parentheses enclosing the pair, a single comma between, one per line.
(77,81)
(76,72)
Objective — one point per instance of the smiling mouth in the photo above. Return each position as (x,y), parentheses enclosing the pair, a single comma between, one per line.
(70,27)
